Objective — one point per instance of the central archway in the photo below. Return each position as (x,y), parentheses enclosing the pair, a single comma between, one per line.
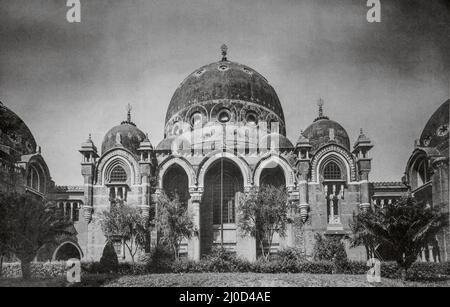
(223,185)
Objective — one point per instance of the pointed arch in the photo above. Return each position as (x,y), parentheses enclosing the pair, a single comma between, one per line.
(217,155)
(274,159)
(183,163)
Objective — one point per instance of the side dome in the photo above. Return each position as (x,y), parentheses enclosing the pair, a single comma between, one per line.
(435,134)
(126,135)
(323,131)
(15,137)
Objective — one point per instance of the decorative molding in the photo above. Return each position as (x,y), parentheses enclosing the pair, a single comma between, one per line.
(183,163)
(289,173)
(341,153)
(118,153)
(241,164)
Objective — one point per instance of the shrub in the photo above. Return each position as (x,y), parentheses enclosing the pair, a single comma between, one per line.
(109,262)
(221,260)
(39,270)
(291,254)
(160,260)
(329,248)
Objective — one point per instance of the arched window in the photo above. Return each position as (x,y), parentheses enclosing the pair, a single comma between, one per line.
(118,174)
(332,171)
(334,191)
(33,178)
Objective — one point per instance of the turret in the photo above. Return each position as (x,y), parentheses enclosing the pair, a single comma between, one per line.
(90,156)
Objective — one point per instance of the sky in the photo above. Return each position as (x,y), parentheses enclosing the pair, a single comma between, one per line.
(66,80)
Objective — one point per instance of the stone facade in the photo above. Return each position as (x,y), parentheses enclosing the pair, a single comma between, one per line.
(224,134)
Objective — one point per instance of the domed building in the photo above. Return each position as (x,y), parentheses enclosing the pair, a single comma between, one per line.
(23,168)
(426,176)
(224,134)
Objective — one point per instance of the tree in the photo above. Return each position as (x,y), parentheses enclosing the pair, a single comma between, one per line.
(262,212)
(174,222)
(109,261)
(126,223)
(29,223)
(405,226)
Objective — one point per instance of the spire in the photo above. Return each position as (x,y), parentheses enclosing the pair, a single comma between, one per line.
(128,121)
(224,50)
(129,108)
(320,104)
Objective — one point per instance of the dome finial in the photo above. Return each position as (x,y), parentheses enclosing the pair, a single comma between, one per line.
(128,121)
(320,104)
(224,49)
(129,108)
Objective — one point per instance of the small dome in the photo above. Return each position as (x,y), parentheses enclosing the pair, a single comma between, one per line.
(125,135)
(14,133)
(435,134)
(323,131)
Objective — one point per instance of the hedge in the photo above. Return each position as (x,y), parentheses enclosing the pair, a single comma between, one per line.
(418,271)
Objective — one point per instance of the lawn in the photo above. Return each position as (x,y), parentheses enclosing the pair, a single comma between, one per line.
(224,280)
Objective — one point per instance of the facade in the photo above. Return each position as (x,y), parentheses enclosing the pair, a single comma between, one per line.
(426,176)
(224,134)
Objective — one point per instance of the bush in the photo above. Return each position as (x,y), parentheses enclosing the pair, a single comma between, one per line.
(329,248)
(39,270)
(160,260)
(291,254)
(221,261)
(109,262)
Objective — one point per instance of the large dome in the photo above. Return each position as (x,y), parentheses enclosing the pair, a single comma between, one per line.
(435,133)
(15,137)
(224,80)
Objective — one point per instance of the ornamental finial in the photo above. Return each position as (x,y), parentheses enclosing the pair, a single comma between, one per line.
(361,131)
(129,108)
(224,49)
(320,104)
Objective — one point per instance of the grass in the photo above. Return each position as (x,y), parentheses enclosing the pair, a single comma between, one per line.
(222,280)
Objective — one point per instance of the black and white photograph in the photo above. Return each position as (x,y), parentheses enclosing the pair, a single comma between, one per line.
(224,150)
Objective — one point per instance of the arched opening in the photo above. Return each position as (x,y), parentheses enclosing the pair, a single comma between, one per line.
(223,185)
(67,251)
(273,175)
(176,183)
(420,173)
(333,184)
(33,178)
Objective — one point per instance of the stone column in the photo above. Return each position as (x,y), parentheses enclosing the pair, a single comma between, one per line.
(245,244)
(194,251)
(364,191)
(289,239)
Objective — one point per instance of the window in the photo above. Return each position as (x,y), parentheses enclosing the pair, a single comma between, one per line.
(251,118)
(332,172)
(118,174)
(196,119)
(224,116)
(229,194)
(33,178)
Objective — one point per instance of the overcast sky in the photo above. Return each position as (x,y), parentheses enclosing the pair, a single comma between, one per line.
(68,80)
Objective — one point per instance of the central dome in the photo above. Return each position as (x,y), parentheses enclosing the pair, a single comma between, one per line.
(224,80)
